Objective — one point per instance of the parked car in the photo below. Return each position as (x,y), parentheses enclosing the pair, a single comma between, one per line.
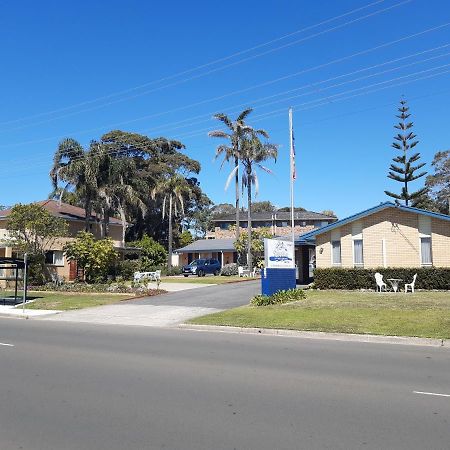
(201,267)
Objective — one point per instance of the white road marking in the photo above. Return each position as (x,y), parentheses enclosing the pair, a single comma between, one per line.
(6,345)
(431,393)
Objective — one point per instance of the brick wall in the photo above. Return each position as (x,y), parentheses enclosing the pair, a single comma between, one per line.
(400,232)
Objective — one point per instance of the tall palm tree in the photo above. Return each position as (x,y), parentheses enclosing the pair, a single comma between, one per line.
(253,152)
(79,168)
(173,191)
(237,130)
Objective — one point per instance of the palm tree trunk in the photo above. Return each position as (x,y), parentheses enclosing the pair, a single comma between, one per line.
(236,179)
(169,258)
(249,221)
(87,213)
(124,222)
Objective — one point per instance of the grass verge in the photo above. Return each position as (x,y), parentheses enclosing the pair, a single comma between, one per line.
(68,301)
(423,314)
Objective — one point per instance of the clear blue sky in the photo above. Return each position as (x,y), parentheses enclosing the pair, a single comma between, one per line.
(59,54)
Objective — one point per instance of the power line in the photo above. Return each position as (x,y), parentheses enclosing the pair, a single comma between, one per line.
(320,102)
(320,66)
(203,74)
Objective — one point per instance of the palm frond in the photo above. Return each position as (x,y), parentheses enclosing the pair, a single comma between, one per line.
(230,177)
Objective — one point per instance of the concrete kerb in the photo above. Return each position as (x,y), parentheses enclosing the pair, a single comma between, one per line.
(368,338)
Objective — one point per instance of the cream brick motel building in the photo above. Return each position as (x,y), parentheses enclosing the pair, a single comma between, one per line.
(386,235)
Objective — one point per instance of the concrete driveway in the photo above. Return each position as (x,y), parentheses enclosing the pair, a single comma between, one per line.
(168,309)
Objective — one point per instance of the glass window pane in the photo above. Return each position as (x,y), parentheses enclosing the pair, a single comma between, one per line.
(336,252)
(358,252)
(425,250)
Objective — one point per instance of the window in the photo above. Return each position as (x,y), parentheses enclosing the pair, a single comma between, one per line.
(54,258)
(425,251)
(336,253)
(358,252)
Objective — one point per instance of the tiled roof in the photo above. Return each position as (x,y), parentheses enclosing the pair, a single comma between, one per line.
(65,211)
(281,215)
(209,245)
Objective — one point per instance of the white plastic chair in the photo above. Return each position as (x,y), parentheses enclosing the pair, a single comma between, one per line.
(411,285)
(380,282)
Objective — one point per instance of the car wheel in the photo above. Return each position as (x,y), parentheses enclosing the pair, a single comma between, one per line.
(200,273)
(186,276)
(216,272)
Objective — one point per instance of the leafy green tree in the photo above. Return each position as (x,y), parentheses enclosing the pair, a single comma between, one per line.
(438,183)
(238,130)
(257,245)
(172,191)
(152,253)
(93,256)
(185,238)
(263,207)
(33,230)
(253,153)
(403,169)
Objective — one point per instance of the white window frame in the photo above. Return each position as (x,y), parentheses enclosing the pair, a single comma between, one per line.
(425,225)
(57,262)
(422,264)
(336,264)
(353,251)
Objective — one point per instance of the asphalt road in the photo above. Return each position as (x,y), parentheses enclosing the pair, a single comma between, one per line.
(221,296)
(67,386)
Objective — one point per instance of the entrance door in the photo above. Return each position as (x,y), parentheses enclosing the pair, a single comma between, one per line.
(72,270)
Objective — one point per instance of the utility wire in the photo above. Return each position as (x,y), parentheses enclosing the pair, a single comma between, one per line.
(206,73)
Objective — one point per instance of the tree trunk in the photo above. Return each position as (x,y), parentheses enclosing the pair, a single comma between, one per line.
(169,258)
(236,179)
(124,223)
(87,219)
(249,221)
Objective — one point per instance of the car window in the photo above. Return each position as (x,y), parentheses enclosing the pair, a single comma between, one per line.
(198,262)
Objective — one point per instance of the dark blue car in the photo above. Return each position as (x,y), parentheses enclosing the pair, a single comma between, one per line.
(201,267)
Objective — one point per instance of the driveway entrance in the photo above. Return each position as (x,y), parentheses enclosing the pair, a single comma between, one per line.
(168,309)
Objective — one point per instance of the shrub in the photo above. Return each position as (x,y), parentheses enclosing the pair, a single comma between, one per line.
(151,253)
(172,271)
(338,278)
(127,267)
(229,270)
(114,288)
(280,297)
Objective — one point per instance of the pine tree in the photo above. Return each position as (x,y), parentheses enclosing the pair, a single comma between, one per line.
(403,169)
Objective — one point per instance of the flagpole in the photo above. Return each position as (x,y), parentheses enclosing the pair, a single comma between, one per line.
(292,172)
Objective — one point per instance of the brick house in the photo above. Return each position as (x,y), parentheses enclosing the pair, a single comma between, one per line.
(221,249)
(75,218)
(279,223)
(386,235)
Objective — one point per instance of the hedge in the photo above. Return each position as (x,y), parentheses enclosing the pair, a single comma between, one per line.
(428,278)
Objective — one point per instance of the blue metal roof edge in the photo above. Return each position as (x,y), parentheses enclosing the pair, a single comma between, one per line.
(310,235)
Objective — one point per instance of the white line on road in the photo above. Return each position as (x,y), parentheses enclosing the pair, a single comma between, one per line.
(431,393)
(6,345)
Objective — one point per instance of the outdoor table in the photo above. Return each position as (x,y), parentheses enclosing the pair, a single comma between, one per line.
(394,283)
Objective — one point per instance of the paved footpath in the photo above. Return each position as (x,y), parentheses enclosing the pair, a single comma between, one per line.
(165,310)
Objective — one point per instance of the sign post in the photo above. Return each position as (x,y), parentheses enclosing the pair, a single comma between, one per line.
(279,273)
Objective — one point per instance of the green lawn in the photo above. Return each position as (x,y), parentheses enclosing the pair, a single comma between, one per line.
(67,301)
(208,279)
(423,314)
